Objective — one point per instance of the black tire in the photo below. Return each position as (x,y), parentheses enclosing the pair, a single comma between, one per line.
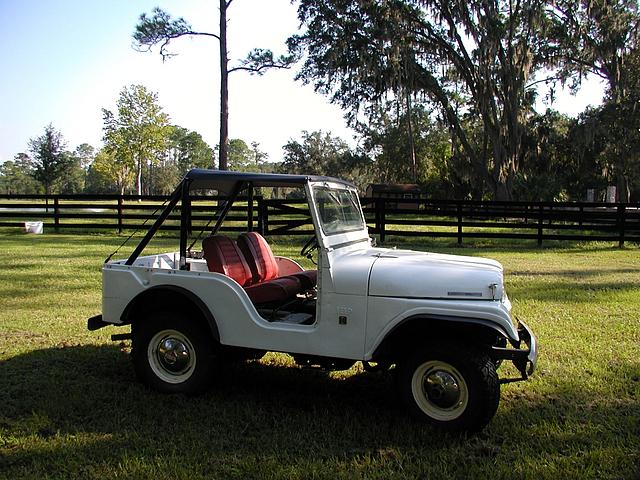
(173,353)
(452,387)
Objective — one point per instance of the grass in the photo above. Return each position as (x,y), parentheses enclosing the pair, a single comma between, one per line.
(71,407)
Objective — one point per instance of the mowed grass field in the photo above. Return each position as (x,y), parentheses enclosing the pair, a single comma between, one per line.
(70,406)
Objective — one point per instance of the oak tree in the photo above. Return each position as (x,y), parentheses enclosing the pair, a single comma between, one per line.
(468,57)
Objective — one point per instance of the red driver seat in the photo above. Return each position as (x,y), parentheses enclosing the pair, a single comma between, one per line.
(263,264)
(223,256)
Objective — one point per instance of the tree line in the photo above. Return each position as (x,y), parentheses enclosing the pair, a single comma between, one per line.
(441,93)
(144,153)
(477,67)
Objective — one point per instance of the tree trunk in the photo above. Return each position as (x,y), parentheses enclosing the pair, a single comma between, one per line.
(139,177)
(224,88)
(622,187)
(503,171)
(412,143)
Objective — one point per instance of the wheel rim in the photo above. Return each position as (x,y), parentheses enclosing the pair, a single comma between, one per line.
(171,356)
(439,390)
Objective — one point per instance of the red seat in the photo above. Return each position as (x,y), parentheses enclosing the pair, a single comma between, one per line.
(263,264)
(223,256)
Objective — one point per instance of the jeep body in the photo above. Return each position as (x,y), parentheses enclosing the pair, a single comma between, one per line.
(441,323)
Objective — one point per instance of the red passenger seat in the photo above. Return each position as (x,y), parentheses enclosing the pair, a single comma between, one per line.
(263,264)
(223,256)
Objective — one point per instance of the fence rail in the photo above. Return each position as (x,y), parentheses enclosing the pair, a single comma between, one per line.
(539,221)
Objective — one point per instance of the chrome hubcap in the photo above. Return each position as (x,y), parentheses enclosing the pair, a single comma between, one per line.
(442,389)
(439,390)
(173,355)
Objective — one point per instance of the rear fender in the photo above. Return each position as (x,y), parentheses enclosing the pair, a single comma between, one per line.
(180,298)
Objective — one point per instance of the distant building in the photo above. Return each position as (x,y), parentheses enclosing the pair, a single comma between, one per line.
(396,191)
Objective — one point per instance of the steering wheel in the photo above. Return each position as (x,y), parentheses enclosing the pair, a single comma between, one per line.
(309,247)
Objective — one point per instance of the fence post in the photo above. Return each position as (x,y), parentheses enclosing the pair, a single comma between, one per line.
(263,220)
(56,214)
(120,201)
(259,201)
(581,215)
(250,210)
(459,210)
(621,225)
(540,220)
(380,207)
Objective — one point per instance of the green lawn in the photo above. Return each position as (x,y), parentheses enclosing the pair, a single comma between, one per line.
(70,406)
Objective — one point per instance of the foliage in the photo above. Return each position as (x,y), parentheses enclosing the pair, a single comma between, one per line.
(137,133)
(16,176)
(85,154)
(110,172)
(386,140)
(243,158)
(318,153)
(549,164)
(481,53)
(188,150)
(72,180)
(50,160)
(602,37)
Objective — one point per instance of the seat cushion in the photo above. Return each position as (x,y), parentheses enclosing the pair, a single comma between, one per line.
(223,256)
(276,290)
(259,256)
(308,278)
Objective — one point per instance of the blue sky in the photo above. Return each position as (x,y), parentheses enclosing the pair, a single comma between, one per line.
(62,61)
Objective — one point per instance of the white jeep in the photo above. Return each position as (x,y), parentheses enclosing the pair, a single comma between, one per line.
(441,323)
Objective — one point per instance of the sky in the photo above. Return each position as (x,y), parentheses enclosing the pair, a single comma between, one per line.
(62,61)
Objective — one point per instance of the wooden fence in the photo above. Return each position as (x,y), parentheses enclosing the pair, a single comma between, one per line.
(539,221)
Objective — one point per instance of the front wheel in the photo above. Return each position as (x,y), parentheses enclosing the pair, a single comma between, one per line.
(450,387)
(173,353)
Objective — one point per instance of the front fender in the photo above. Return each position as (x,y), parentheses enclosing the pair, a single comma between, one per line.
(385,315)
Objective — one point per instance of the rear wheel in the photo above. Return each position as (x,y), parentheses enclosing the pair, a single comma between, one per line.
(451,387)
(173,353)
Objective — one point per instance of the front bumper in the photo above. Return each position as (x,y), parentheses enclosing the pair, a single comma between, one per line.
(524,359)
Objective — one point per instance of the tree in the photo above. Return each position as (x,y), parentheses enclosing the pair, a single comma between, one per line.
(601,37)
(109,171)
(49,157)
(242,158)
(16,176)
(85,154)
(138,133)
(72,179)
(321,154)
(188,150)
(425,144)
(549,170)
(475,57)
(159,28)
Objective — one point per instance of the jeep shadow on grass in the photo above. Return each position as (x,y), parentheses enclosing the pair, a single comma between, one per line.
(76,412)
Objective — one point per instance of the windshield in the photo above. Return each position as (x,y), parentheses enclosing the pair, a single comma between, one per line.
(339,210)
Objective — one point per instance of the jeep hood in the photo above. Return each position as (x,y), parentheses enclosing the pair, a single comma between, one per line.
(408,274)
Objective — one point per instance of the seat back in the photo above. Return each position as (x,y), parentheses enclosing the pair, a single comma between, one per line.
(223,256)
(259,256)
